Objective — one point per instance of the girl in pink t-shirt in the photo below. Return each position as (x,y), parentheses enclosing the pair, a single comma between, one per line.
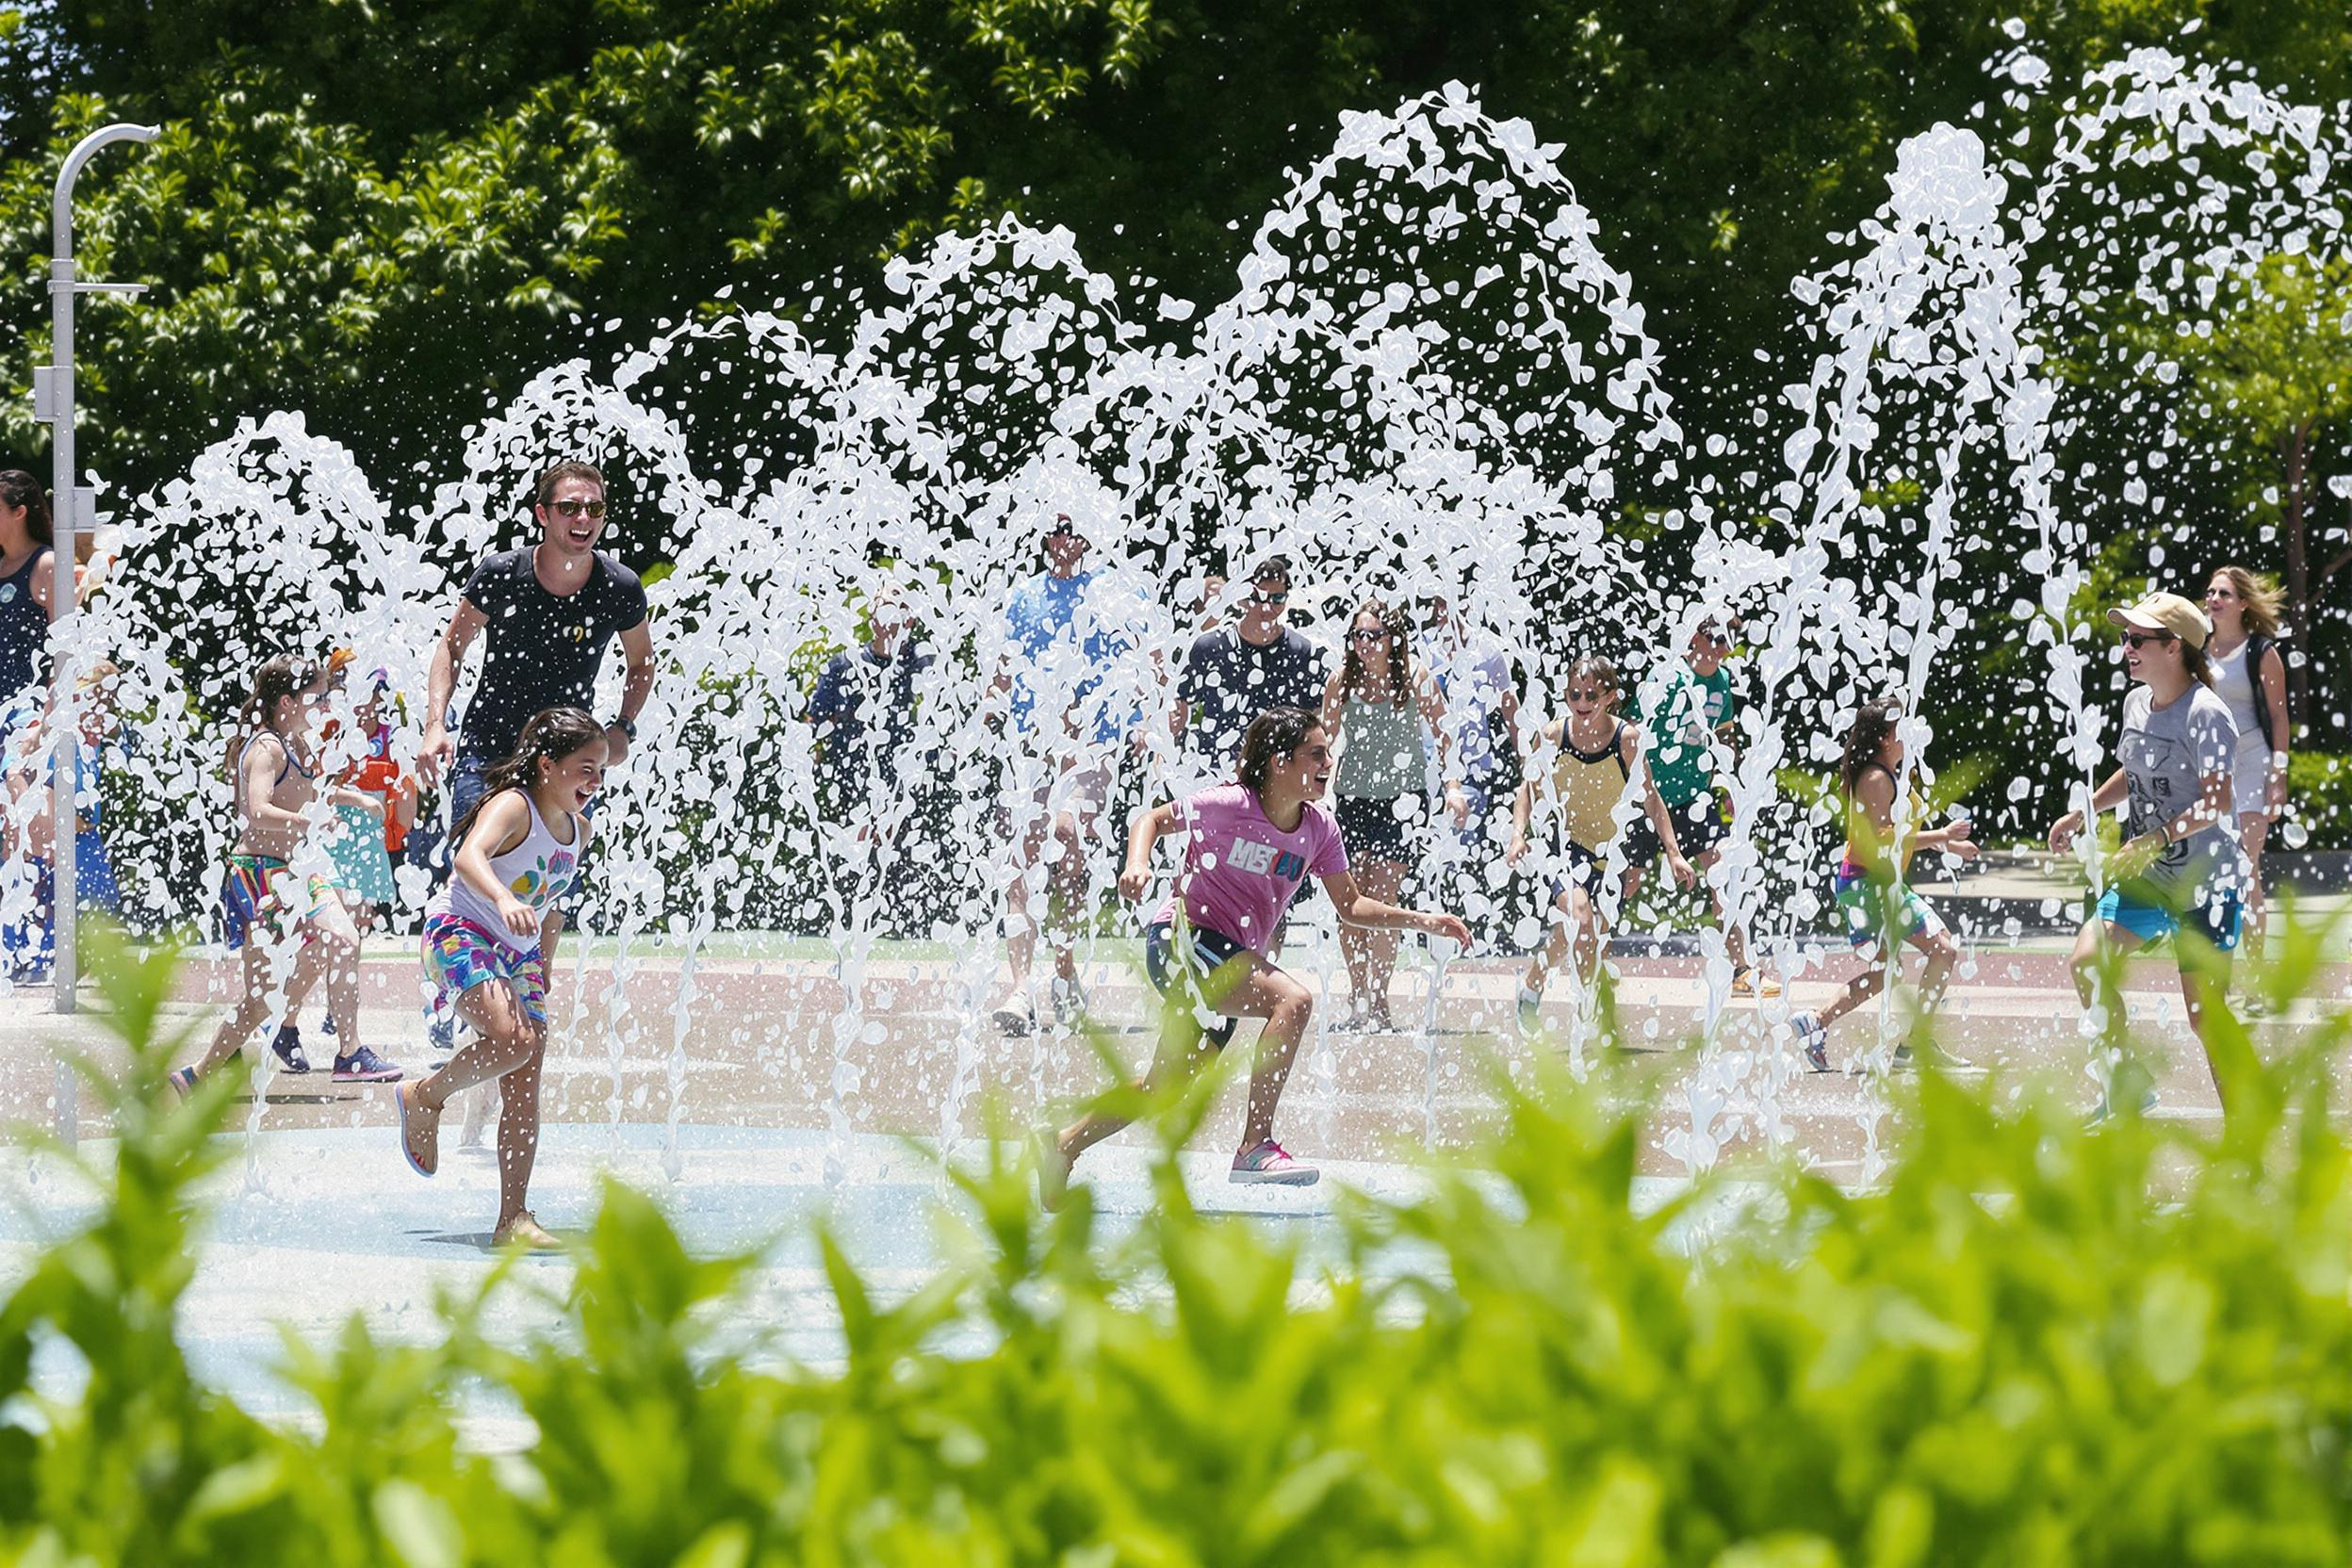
(1248,846)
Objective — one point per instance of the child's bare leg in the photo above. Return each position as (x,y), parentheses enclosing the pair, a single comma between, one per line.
(504,1037)
(502,1040)
(1181,1050)
(1860,989)
(1286,1006)
(340,963)
(1588,934)
(1555,950)
(1943,957)
(518,1132)
(259,996)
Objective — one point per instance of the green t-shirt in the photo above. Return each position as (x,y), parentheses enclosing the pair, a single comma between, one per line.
(1680,729)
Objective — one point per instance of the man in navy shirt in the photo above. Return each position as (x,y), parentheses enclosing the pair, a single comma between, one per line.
(548,611)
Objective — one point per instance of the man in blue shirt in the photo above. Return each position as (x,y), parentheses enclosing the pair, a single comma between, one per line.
(1066,632)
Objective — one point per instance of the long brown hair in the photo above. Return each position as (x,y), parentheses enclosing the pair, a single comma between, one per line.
(19,488)
(552,734)
(1865,737)
(1400,629)
(2258,595)
(280,677)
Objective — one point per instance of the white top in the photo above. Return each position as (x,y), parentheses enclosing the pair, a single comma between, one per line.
(538,870)
(2234,682)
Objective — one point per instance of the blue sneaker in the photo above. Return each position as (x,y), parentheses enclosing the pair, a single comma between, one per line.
(1530,1012)
(289,1049)
(1812,1040)
(363,1065)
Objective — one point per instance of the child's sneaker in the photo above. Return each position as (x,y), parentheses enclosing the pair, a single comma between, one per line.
(183,1081)
(1013,1016)
(363,1065)
(1812,1040)
(1270,1164)
(1069,1003)
(1529,1012)
(289,1047)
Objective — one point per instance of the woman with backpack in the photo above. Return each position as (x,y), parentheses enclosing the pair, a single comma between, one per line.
(2250,674)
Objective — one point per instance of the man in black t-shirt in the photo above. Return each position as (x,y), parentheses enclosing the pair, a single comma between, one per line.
(1236,672)
(549,612)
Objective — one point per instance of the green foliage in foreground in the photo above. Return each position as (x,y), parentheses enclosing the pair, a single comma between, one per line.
(2034,1344)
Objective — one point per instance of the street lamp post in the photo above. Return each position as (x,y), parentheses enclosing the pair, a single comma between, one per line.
(77,508)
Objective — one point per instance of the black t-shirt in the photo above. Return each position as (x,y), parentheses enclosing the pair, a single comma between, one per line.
(858,695)
(1231,681)
(544,650)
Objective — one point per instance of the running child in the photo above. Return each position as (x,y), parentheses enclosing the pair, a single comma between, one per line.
(1248,846)
(1874,895)
(274,770)
(374,806)
(519,851)
(2178,872)
(1597,756)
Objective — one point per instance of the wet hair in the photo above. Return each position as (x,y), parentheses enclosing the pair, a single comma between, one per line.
(1865,737)
(1593,667)
(552,734)
(19,488)
(569,468)
(285,675)
(2256,591)
(1273,565)
(1399,628)
(1277,732)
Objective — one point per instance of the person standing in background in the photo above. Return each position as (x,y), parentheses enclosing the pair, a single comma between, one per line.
(1233,673)
(1384,711)
(1474,676)
(2250,674)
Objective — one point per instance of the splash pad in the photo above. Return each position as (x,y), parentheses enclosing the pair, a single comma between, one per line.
(1429,383)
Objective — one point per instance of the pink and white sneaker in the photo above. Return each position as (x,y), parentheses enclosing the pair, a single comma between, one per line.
(1269,1163)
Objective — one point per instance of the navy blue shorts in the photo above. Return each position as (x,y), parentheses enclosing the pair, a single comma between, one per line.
(1210,950)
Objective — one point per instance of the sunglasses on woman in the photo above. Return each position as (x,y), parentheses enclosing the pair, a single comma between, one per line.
(1369,635)
(2139,640)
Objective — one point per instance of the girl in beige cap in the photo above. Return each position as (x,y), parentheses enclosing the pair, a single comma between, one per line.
(2176,874)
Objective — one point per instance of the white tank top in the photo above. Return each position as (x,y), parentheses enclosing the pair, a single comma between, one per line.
(2234,684)
(538,872)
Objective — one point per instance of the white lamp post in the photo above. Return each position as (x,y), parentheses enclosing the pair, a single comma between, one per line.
(76,509)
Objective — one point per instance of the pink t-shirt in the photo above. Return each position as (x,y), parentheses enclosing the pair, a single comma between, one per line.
(1240,870)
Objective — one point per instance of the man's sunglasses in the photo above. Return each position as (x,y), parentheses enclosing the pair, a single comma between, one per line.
(572,509)
(1262,597)
(2139,640)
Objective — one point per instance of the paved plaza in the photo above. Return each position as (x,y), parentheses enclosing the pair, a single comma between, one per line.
(752,1097)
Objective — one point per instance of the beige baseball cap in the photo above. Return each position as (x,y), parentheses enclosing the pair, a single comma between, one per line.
(2166,612)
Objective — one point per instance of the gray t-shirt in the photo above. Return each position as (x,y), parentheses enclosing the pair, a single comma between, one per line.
(2165,753)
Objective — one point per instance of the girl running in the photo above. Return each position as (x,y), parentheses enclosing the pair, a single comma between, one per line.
(1382,710)
(1872,893)
(2251,676)
(2177,872)
(517,853)
(1248,846)
(1598,755)
(265,903)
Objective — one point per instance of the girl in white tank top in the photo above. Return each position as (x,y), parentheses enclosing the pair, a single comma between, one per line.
(516,855)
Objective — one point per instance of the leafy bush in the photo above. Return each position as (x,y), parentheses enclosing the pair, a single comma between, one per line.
(2319,792)
(2034,1344)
